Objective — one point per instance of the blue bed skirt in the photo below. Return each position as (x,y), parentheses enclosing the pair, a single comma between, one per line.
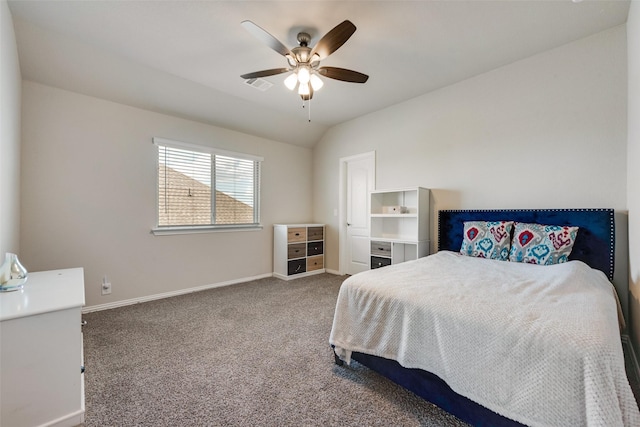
(433,389)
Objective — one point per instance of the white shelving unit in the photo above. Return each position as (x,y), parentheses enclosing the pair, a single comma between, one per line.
(399,225)
(298,250)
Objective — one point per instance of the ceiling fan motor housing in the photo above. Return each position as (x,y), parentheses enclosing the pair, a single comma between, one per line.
(304,39)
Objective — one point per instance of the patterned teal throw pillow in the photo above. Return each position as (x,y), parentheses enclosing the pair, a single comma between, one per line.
(487,239)
(542,244)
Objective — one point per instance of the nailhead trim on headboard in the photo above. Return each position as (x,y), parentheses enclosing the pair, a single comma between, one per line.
(598,227)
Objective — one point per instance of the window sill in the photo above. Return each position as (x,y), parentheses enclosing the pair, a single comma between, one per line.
(167,231)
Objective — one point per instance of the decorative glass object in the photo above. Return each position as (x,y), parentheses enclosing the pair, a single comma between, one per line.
(13,275)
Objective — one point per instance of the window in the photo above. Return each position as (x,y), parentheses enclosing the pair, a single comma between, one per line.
(203,188)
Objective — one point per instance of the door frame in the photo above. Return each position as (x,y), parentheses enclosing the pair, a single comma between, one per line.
(342,204)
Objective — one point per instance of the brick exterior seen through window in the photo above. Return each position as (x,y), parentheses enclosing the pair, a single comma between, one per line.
(190,202)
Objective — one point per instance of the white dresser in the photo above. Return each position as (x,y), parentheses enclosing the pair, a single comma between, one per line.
(41,360)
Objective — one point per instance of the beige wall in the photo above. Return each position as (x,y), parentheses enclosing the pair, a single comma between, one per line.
(88,174)
(10,99)
(633,173)
(88,166)
(545,132)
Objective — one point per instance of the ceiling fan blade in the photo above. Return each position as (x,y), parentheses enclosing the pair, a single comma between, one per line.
(343,74)
(265,38)
(334,39)
(264,73)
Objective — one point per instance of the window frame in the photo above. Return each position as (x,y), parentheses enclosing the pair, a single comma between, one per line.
(206,228)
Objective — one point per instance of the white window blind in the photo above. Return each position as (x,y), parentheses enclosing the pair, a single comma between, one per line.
(204,187)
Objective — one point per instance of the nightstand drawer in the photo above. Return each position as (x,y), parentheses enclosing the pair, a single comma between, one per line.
(297,250)
(315,263)
(381,248)
(377,262)
(298,234)
(315,248)
(297,266)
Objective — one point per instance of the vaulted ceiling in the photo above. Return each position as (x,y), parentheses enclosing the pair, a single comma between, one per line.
(185,58)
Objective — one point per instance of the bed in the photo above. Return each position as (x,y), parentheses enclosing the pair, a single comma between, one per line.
(492,341)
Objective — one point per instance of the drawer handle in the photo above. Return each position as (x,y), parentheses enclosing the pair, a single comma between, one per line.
(379,264)
(297,250)
(381,249)
(297,234)
(298,269)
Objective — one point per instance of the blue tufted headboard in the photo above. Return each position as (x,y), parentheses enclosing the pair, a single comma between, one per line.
(594,243)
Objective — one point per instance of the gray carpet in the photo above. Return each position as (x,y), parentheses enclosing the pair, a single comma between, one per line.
(253,354)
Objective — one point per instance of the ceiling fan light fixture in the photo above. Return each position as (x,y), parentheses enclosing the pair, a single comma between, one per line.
(303,89)
(316,82)
(303,75)
(291,81)
(291,60)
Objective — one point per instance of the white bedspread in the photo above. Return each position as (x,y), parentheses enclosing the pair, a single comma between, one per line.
(537,344)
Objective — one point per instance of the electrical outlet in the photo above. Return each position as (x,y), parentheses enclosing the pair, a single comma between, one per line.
(106,286)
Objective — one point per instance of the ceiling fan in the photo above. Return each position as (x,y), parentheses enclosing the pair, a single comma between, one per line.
(304,62)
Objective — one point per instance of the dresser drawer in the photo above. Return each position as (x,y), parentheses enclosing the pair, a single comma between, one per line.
(381,248)
(315,248)
(315,263)
(296,250)
(297,266)
(297,234)
(315,233)
(377,262)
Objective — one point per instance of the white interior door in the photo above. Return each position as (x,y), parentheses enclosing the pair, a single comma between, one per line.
(359,180)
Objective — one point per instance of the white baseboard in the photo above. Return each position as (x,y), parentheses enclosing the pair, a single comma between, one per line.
(132,301)
(298,275)
(72,419)
(335,272)
(632,354)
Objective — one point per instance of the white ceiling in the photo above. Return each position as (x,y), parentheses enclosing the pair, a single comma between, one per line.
(185,57)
